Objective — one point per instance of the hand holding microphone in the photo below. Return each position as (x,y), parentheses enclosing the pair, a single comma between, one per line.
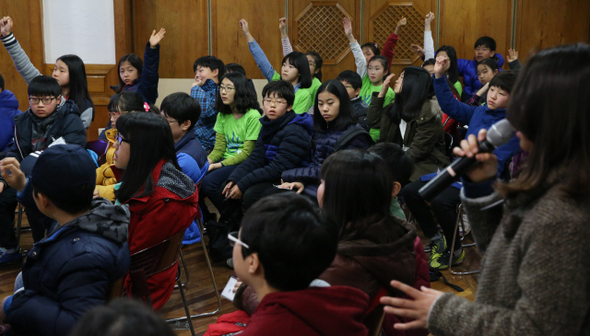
(472,152)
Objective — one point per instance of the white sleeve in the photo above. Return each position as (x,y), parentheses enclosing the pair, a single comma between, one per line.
(359,59)
(428,45)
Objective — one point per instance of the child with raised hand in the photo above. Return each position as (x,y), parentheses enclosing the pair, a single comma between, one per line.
(208,72)
(413,120)
(513,61)
(236,128)
(485,47)
(69,71)
(142,76)
(315,60)
(486,70)
(295,70)
(426,52)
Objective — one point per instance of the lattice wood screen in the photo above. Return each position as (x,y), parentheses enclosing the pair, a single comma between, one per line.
(319,28)
(382,24)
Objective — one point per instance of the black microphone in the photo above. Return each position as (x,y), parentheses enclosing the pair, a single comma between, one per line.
(499,134)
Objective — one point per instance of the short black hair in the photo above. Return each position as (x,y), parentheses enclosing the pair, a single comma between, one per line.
(505,80)
(1,82)
(400,164)
(181,107)
(373,46)
(294,242)
(352,78)
(492,63)
(235,67)
(281,89)
(44,86)
(126,101)
(122,317)
(78,201)
(486,41)
(430,61)
(212,63)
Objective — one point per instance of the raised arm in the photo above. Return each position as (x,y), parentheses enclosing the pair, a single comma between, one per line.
(287,48)
(23,64)
(357,52)
(259,56)
(389,46)
(151,64)
(448,104)
(428,41)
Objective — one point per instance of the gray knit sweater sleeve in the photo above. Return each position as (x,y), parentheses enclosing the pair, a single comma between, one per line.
(23,64)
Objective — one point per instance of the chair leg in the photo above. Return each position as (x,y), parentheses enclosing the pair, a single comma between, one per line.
(184,264)
(456,232)
(460,218)
(186,310)
(200,223)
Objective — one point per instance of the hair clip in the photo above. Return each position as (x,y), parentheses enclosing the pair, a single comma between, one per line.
(146,107)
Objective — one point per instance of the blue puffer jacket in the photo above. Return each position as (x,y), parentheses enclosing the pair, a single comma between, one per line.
(147,85)
(190,145)
(67,125)
(324,147)
(477,117)
(8,110)
(70,271)
(282,144)
(468,70)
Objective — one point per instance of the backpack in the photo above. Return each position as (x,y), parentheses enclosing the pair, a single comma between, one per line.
(350,134)
(219,247)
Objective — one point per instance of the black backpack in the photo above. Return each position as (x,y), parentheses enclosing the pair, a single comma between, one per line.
(350,134)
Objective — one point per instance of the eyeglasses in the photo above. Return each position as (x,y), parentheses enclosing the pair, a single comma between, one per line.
(275,101)
(45,100)
(120,139)
(226,89)
(233,239)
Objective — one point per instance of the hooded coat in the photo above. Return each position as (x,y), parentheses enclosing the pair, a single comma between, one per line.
(70,271)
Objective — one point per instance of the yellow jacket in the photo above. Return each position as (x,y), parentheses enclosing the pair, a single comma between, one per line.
(105,179)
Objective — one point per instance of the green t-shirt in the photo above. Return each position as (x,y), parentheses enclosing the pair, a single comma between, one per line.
(303,97)
(458,87)
(367,93)
(313,89)
(396,210)
(238,131)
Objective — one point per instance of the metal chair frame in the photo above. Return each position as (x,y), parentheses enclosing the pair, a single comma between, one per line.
(459,221)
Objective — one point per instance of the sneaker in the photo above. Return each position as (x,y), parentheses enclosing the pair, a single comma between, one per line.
(7,258)
(441,261)
(436,245)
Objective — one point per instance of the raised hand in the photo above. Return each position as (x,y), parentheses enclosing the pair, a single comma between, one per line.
(347,26)
(246,29)
(402,22)
(428,20)
(442,63)
(418,50)
(157,37)
(283,27)
(385,86)
(512,55)
(6,25)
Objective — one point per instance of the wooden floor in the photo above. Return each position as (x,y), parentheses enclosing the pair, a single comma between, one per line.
(200,293)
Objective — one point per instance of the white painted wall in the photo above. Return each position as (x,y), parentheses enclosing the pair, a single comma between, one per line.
(82,27)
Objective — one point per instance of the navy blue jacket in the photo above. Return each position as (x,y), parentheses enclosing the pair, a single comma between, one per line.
(324,147)
(70,271)
(8,110)
(282,144)
(147,85)
(477,117)
(67,125)
(190,145)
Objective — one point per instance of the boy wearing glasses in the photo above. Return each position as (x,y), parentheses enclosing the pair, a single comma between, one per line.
(49,118)
(284,142)
(352,83)
(283,246)
(208,70)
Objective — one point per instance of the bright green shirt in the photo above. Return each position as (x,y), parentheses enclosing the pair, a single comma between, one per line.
(367,93)
(238,131)
(303,97)
(313,90)
(459,88)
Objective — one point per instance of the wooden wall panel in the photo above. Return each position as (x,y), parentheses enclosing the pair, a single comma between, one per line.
(28,29)
(230,44)
(317,26)
(463,22)
(186,36)
(547,23)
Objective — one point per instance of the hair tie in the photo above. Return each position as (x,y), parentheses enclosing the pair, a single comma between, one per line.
(376,46)
(146,107)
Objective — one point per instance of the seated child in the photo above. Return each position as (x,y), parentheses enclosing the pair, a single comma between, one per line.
(208,72)
(36,128)
(8,110)
(283,245)
(486,70)
(235,67)
(352,83)
(71,270)
(284,142)
(401,167)
(485,47)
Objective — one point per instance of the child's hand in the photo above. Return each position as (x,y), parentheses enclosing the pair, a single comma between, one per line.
(483,89)
(198,82)
(237,285)
(512,55)
(429,18)
(227,188)
(385,86)
(487,167)
(156,37)
(245,27)
(10,171)
(402,22)
(6,24)
(283,27)
(418,50)
(347,27)
(297,186)
(442,63)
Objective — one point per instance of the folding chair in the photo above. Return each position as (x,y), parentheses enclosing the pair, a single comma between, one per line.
(459,221)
